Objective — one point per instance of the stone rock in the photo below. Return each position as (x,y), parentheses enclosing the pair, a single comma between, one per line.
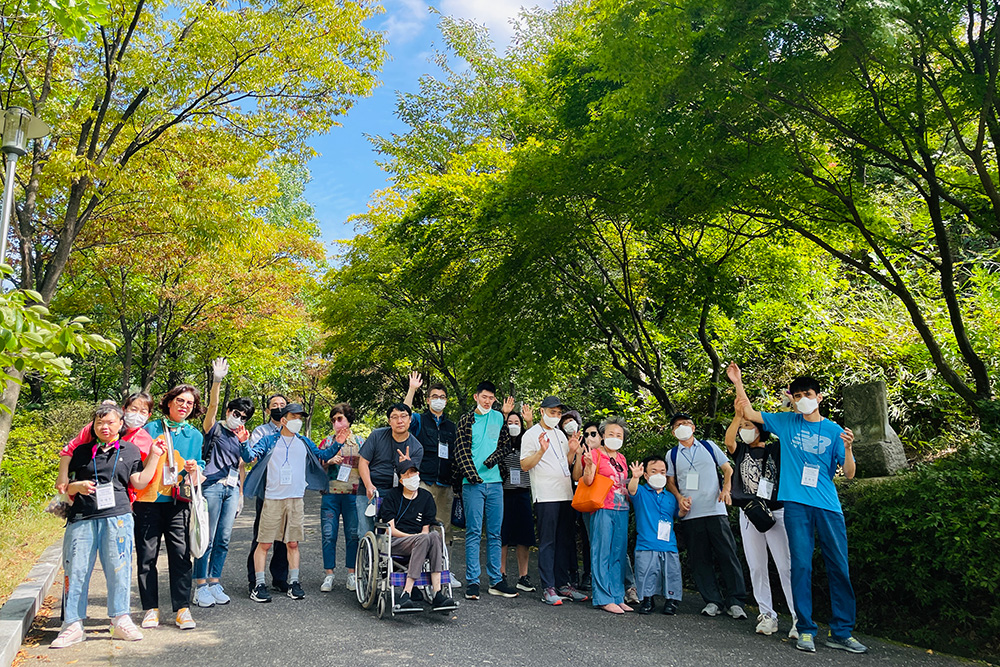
(877,449)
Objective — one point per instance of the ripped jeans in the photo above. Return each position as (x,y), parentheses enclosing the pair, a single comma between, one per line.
(112,539)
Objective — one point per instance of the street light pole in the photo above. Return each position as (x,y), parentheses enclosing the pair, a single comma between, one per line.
(18,126)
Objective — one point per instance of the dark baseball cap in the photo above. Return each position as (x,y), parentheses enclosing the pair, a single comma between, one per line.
(552,402)
(294,409)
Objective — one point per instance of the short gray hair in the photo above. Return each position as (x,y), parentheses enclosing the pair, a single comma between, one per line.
(614,421)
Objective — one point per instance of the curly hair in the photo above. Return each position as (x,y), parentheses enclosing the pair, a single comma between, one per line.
(168,398)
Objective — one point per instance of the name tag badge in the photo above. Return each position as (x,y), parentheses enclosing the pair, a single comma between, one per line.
(564,464)
(810,475)
(233,478)
(442,450)
(105,496)
(343,473)
(691,481)
(515,476)
(286,474)
(395,479)
(663,530)
(169,476)
(764,489)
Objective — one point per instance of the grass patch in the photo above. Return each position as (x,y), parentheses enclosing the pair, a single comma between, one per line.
(24,534)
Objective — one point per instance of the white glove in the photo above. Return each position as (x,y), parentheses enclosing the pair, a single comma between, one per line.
(220,369)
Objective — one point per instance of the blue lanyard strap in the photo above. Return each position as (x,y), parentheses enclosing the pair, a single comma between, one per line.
(689,459)
(118,452)
(288,446)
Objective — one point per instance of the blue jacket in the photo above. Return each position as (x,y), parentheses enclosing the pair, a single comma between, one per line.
(256,482)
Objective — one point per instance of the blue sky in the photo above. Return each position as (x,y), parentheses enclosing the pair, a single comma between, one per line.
(345,174)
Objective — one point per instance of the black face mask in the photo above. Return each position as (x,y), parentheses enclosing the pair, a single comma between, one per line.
(276,414)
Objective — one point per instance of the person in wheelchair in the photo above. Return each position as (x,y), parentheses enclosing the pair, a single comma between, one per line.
(410,512)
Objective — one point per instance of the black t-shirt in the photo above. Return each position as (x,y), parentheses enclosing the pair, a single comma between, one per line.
(81,468)
(382,452)
(411,515)
(221,451)
(746,473)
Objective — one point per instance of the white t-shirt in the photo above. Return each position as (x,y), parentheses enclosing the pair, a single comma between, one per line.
(292,450)
(549,481)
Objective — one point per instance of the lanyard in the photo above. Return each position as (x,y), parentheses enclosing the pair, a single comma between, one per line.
(288,446)
(118,452)
(689,459)
(405,509)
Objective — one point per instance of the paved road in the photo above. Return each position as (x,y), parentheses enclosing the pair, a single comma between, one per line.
(331,629)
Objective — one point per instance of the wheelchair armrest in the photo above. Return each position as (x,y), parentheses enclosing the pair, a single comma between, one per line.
(382,525)
(436,524)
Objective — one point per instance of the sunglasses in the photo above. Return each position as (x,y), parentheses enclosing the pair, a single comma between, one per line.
(240,415)
(591,434)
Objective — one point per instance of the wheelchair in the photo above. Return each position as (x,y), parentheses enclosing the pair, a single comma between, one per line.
(380,572)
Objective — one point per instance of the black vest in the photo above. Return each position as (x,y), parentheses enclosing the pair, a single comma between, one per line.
(434,469)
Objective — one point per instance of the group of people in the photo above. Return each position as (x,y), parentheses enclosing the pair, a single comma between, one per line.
(496,471)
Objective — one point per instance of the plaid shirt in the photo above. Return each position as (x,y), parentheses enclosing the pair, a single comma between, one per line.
(465,466)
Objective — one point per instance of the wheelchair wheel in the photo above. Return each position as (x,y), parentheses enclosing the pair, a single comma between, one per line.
(367,569)
(382,605)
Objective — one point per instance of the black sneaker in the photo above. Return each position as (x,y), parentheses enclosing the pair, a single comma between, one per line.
(503,588)
(443,603)
(417,595)
(260,594)
(405,603)
(670,608)
(586,584)
(524,584)
(472,592)
(280,585)
(646,606)
(295,591)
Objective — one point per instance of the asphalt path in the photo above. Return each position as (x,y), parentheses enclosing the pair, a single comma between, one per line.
(332,629)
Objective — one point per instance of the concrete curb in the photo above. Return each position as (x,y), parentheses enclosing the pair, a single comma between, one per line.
(19,611)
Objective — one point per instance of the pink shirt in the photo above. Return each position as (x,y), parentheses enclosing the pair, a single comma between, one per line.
(617,470)
(138,437)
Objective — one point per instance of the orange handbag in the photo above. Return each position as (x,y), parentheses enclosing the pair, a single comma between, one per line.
(590,497)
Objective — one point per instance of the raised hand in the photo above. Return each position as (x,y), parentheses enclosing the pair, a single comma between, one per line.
(740,405)
(848,436)
(220,369)
(574,442)
(734,373)
(543,442)
(158,447)
(406,456)
(588,458)
(416,380)
(637,470)
(527,413)
(508,405)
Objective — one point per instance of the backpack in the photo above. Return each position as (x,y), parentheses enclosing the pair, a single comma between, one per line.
(673,461)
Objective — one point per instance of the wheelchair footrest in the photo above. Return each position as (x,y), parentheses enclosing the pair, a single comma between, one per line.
(399,579)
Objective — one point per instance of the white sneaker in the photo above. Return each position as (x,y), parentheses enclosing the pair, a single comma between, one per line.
(455,581)
(766,625)
(219,594)
(711,609)
(327,584)
(203,597)
(71,634)
(151,618)
(352,581)
(794,632)
(736,612)
(125,629)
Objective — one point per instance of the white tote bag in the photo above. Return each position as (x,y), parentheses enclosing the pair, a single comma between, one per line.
(198,524)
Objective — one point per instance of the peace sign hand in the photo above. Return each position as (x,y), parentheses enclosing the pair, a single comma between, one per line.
(406,456)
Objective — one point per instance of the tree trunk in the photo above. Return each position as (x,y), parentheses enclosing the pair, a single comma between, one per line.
(9,400)
(713,355)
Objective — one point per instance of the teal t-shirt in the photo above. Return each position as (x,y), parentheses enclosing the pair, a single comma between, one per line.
(485,435)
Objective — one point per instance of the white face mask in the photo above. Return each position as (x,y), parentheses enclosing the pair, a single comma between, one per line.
(437,404)
(551,422)
(294,425)
(683,432)
(514,430)
(570,427)
(481,410)
(411,483)
(657,481)
(807,406)
(233,422)
(748,434)
(614,444)
(134,419)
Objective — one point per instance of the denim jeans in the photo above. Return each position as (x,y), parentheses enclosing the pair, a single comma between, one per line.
(803,523)
(223,502)
(608,546)
(365,523)
(110,537)
(478,499)
(333,507)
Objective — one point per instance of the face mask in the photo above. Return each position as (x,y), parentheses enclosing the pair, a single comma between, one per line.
(748,434)
(551,422)
(134,419)
(233,422)
(294,425)
(683,432)
(614,444)
(807,406)
(437,404)
(276,414)
(514,430)
(411,483)
(481,410)
(571,427)
(657,481)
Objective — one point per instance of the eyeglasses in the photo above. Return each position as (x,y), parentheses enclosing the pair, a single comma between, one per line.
(591,434)
(399,417)
(180,402)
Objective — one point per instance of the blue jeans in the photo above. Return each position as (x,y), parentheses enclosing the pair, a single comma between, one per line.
(365,523)
(608,544)
(477,499)
(803,523)
(333,507)
(112,538)
(223,501)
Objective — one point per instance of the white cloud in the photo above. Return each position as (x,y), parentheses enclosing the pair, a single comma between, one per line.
(496,14)
(405,19)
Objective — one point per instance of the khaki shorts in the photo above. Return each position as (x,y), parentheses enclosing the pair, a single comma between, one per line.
(282,520)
